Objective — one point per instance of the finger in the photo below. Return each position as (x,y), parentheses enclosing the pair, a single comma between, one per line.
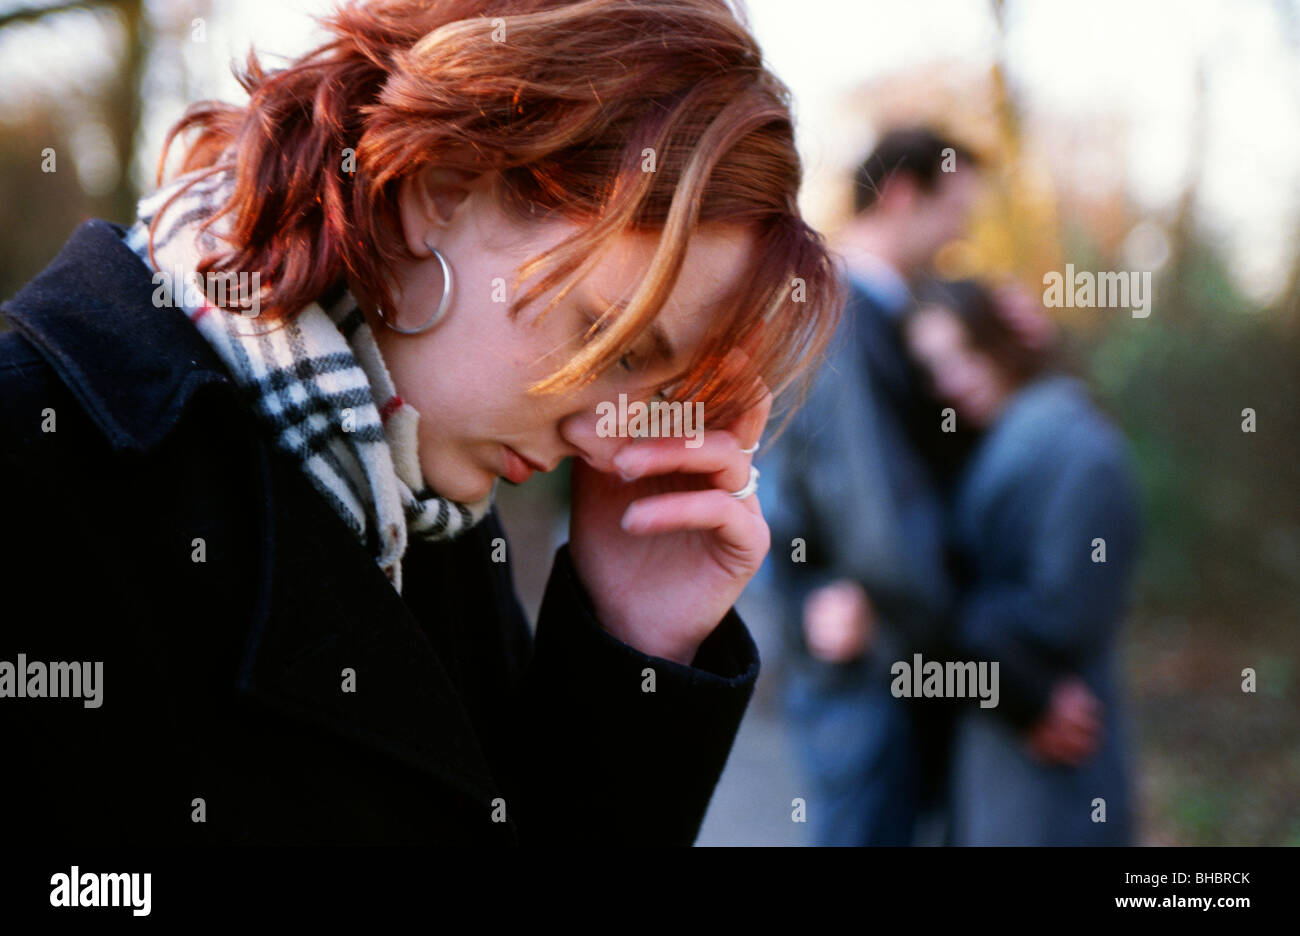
(1069,751)
(1083,721)
(815,625)
(718,455)
(1095,739)
(1084,697)
(820,644)
(1082,737)
(748,427)
(1082,744)
(845,588)
(736,527)
(1056,749)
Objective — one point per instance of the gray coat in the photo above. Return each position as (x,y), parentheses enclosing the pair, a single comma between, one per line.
(1050,479)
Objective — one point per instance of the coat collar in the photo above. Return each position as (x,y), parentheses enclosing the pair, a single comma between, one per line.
(325,606)
(134,367)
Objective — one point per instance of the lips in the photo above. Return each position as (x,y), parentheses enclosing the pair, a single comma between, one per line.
(517,468)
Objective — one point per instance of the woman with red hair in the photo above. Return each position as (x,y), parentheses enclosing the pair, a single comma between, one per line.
(416,261)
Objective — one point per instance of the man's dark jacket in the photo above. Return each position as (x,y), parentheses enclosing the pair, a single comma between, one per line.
(858,477)
(223,679)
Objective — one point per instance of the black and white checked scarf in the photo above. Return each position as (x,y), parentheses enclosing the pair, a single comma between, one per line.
(317,383)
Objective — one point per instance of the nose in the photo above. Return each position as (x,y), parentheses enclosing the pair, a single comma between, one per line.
(582,433)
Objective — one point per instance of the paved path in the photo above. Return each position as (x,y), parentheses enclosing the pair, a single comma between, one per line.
(752,802)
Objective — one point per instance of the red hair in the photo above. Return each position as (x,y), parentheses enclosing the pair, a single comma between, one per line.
(561,100)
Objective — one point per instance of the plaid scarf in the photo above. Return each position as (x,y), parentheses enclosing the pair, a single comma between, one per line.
(317,383)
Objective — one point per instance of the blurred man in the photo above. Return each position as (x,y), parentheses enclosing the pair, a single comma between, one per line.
(857,521)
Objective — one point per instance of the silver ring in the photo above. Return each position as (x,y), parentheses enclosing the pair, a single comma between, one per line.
(750,487)
(753,448)
(442,306)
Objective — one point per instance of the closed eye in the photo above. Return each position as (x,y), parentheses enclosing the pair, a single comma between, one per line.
(629,361)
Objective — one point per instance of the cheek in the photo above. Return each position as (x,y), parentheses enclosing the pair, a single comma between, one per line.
(456,377)
(986,377)
(951,219)
(951,373)
(579,412)
(951,381)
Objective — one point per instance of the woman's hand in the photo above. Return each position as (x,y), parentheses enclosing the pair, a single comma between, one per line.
(665,555)
(1070,731)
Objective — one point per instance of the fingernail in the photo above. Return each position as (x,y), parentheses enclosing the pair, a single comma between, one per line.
(627,466)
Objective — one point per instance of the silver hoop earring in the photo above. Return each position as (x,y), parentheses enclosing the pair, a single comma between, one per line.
(442,306)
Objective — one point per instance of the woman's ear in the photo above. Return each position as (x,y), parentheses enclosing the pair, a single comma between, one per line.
(428,201)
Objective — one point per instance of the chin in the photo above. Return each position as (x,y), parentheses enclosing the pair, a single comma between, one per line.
(972,415)
(456,475)
(474,491)
(464,487)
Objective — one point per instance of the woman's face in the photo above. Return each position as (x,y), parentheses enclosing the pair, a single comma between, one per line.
(967,379)
(467,376)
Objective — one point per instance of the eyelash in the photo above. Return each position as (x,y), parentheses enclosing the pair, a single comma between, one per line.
(624,360)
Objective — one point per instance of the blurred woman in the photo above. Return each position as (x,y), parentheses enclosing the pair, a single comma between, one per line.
(1045,522)
(261,430)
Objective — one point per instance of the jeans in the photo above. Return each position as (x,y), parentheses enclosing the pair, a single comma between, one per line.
(874,763)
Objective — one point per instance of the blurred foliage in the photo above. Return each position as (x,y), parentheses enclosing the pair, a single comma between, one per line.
(1219,583)
(1222,512)
(38,210)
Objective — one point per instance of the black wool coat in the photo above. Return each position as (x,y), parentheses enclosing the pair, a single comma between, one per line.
(223,680)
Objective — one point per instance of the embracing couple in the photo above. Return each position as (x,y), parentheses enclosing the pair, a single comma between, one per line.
(949,492)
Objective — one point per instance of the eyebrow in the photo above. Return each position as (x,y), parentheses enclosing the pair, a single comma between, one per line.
(663,347)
